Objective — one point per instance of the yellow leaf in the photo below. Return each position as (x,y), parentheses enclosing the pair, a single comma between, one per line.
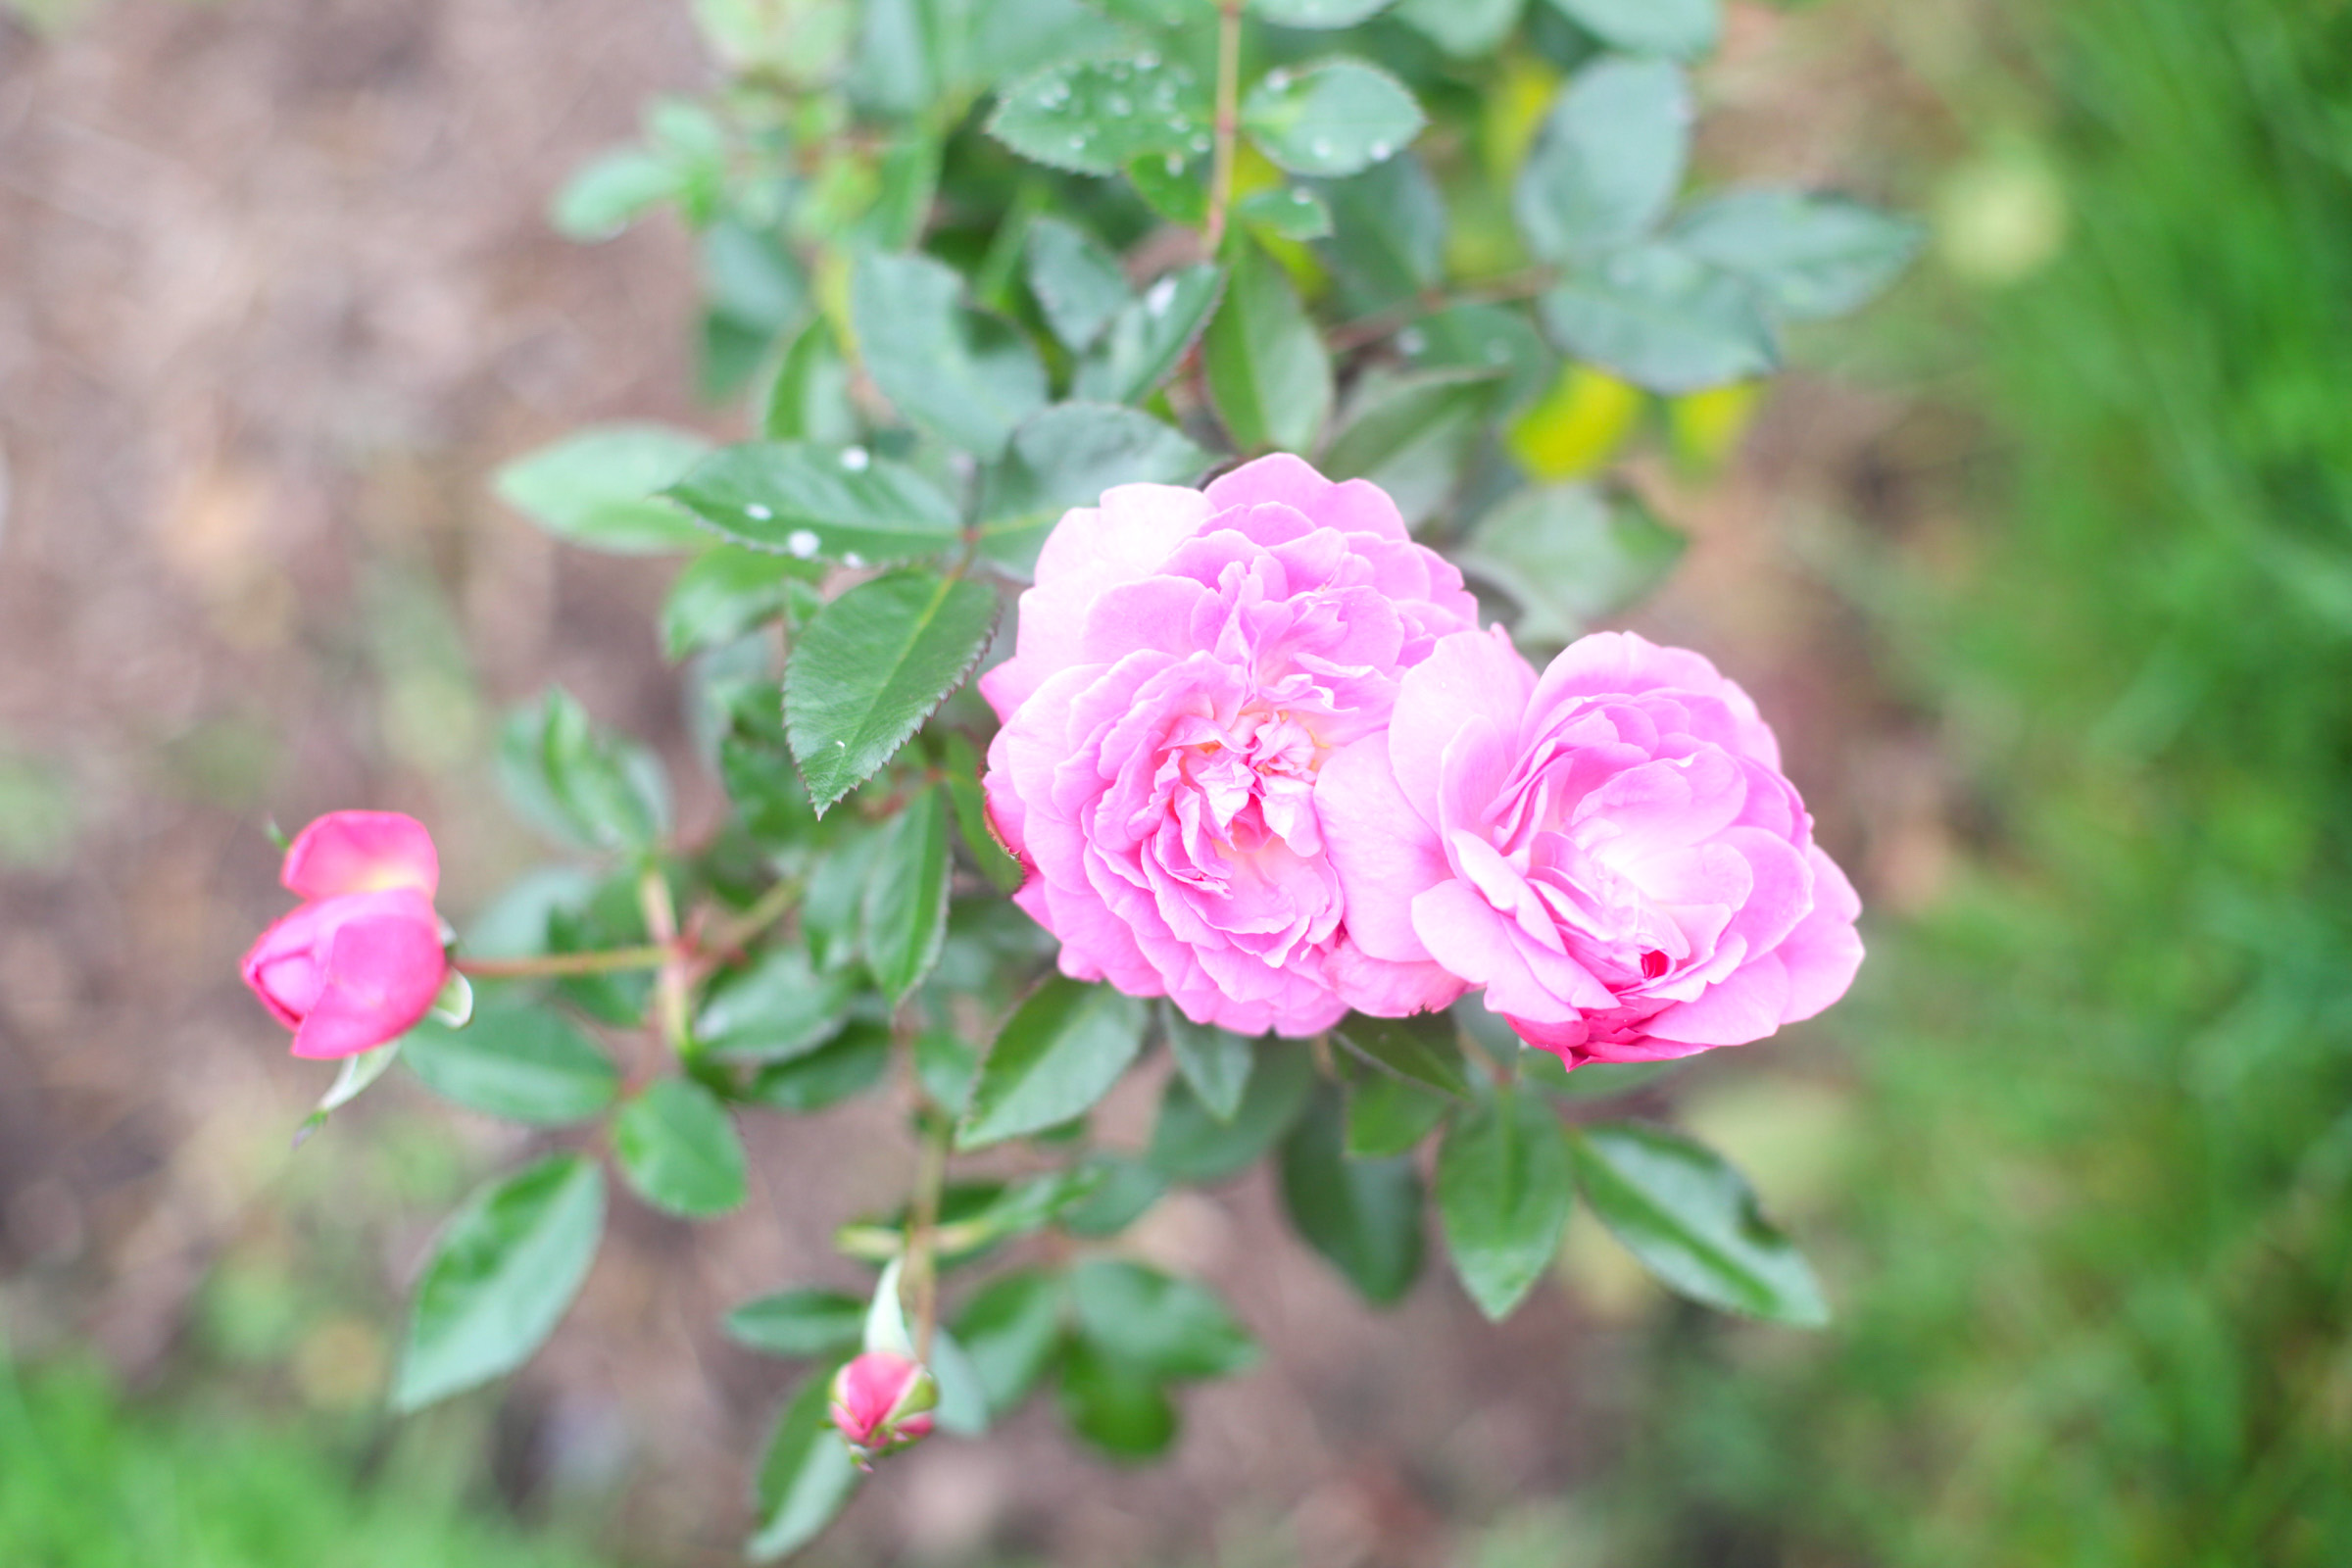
(1576,426)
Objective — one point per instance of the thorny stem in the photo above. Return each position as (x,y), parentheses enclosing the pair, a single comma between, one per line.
(671,984)
(1229,119)
(651,956)
(930,1175)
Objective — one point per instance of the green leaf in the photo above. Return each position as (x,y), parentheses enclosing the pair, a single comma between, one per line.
(1008,1331)
(852,1062)
(833,905)
(1161,1327)
(1121,1413)
(960,778)
(963,1402)
(1150,336)
(1411,435)
(1333,118)
(1388,1116)
(1594,1080)
(500,1276)
(1067,457)
(1269,373)
(1608,161)
(1077,281)
(1288,212)
(515,1061)
(1684,28)
(1129,1188)
(606,194)
(807,501)
(1315,13)
(598,487)
(809,398)
(352,1079)
(724,594)
(595,789)
(1462,28)
(966,377)
(798,1323)
(1215,1063)
(1173,185)
(1422,1049)
(1021,1207)
(1060,1053)
(1693,1222)
(779,1008)
(1364,1215)
(905,920)
(1809,256)
(1569,557)
(1663,319)
(870,668)
(750,276)
(1388,240)
(1191,1143)
(678,1148)
(945,1067)
(1502,1192)
(1496,337)
(807,1477)
(1096,116)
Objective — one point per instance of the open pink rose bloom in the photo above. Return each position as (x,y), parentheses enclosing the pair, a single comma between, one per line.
(1258,757)
(361,959)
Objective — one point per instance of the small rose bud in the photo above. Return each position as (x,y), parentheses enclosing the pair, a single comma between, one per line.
(361,959)
(882,1402)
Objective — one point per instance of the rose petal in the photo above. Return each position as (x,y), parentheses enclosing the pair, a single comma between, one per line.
(362,852)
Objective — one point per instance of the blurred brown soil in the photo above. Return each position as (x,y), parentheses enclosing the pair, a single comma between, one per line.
(275,292)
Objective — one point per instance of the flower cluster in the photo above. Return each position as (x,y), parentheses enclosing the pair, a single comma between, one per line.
(1258,757)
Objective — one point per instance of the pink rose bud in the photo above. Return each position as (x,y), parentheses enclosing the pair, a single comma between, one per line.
(361,959)
(882,1403)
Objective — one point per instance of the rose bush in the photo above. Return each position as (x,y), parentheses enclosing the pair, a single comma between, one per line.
(1610,850)
(1185,663)
(361,959)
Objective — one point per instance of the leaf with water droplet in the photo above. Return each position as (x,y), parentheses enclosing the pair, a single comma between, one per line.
(1082,115)
(1334,118)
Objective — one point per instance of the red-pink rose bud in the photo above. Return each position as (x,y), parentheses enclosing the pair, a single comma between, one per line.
(361,960)
(882,1402)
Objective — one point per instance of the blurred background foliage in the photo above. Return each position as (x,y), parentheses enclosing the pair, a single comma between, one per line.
(2080,1174)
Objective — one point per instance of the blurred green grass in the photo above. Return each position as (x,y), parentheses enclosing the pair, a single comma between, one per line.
(2097,1240)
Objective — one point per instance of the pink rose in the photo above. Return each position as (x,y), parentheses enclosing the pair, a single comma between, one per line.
(361,959)
(1611,851)
(882,1402)
(1185,666)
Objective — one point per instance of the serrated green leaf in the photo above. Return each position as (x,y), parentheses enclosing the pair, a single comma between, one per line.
(1504,1189)
(1423,1047)
(726,592)
(1128,1189)
(1388,240)
(1269,372)
(966,377)
(1288,212)
(1008,1331)
(1332,119)
(1570,556)
(798,1323)
(1215,1063)
(606,194)
(1126,1415)
(500,1276)
(1078,282)
(515,1061)
(807,501)
(1411,435)
(1462,28)
(905,911)
(678,1148)
(1809,256)
(1683,28)
(1150,336)
(1174,185)
(1191,1143)
(1315,13)
(586,786)
(1608,160)
(870,668)
(1387,1116)
(780,1008)
(1663,319)
(1151,1323)
(960,771)
(1060,1052)
(1693,1222)
(1067,457)
(598,487)
(809,398)
(1364,1215)
(806,1478)
(850,1063)
(1096,116)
